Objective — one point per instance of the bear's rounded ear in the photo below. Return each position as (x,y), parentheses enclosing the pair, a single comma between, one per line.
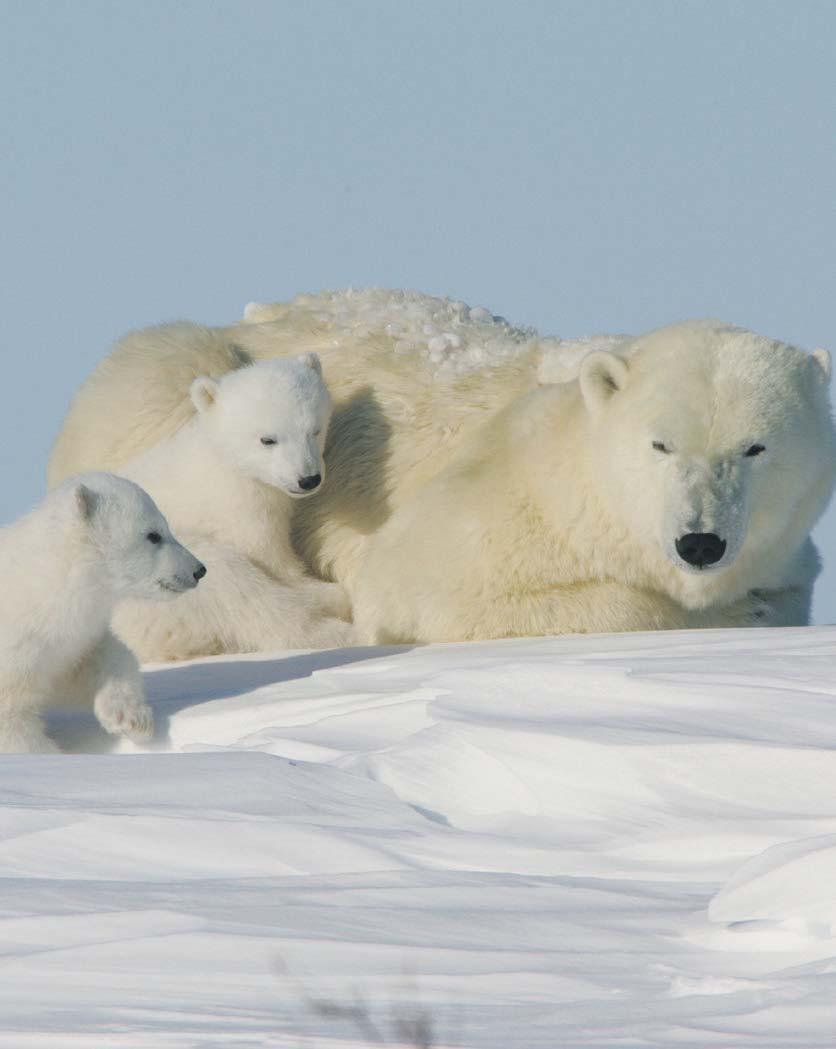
(602,375)
(253,311)
(822,359)
(312,360)
(203,392)
(85,500)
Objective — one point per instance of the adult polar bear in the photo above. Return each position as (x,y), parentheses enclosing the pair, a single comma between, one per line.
(671,485)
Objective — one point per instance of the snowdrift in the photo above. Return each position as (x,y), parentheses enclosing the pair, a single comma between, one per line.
(599,841)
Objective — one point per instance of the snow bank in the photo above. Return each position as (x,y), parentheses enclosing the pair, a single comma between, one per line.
(595,841)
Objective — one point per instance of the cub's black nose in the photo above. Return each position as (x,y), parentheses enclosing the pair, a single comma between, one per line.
(701,548)
(199,573)
(307,484)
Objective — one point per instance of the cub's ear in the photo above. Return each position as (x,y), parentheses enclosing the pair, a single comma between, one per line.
(85,500)
(602,375)
(822,359)
(253,312)
(203,392)
(312,360)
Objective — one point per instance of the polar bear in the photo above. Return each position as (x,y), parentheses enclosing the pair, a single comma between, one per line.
(671,487)
(95,540)
(228,481)
(470,503)
(410,376)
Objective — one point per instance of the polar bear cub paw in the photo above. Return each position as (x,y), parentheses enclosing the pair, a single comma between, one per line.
(121,712)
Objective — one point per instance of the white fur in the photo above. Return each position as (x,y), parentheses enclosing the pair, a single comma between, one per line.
(464,502)
(569,516)
(231,497)
(64,567)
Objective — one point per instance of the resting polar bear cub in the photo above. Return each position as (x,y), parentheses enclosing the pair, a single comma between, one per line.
(92,542)
(227,481)
(471,504)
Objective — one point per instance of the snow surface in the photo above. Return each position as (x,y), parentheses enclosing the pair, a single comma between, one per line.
(454,338)
(618,841)
(450,337)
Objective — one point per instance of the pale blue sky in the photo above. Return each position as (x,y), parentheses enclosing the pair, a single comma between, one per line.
(577,166)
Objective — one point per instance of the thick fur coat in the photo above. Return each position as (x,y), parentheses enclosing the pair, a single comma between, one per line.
(228,481)
(93,542)
(464,500)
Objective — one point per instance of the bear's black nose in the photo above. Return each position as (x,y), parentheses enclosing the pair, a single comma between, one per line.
(701,548)
(199,573)
(307,484)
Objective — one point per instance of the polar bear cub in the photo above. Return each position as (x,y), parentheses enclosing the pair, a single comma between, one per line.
(94,541)
(228,481)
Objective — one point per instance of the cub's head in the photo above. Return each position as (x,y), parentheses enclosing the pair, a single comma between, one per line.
(132,538)
(711,442)
(270,420)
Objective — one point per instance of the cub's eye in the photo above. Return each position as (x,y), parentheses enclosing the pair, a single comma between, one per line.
(317,433)
(269,440)
(660,447)
(154,537)
(756,449)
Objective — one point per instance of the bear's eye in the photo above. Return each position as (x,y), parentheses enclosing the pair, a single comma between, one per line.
(154,537)
(755,449)
(269,440)
(659,446)
(317,433)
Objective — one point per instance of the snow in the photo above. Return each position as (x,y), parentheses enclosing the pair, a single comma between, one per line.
(581,841)
(451,338)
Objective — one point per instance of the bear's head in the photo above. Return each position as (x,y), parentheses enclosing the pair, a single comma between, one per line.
(269,420)
(131,539)
(715,446)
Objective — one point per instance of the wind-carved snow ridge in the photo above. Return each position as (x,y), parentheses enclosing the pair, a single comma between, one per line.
(790,887)
(581,841)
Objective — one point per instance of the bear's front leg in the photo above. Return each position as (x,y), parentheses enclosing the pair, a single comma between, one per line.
(22,732)
(462,615)
(788,606)
(23,699)
(614,608)
(110,675)
(586,608)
